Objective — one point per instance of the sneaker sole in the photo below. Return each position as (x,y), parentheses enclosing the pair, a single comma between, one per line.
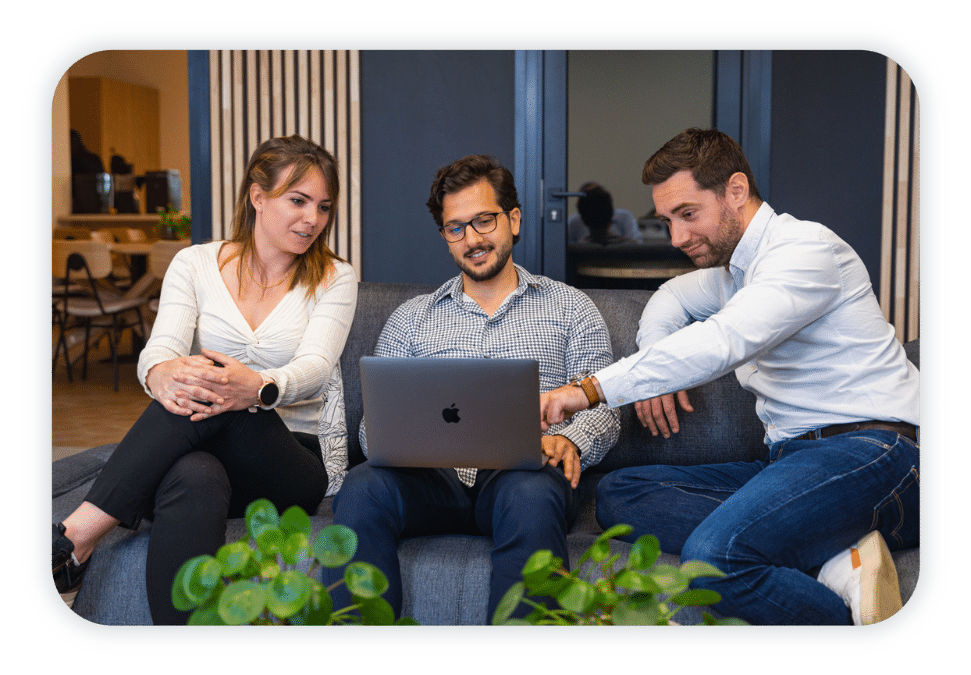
(880,596)
(68,598)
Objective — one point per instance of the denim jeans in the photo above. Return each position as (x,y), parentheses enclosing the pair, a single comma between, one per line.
(523,511)
(768,524)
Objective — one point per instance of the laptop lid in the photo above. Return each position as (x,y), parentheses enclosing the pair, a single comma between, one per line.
(448,413)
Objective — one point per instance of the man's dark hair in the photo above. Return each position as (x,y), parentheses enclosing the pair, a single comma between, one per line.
(596,207)
(467,171)
(710,155)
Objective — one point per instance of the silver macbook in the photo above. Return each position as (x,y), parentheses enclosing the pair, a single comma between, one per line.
(445,413)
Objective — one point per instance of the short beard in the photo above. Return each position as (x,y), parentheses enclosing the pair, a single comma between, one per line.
(502,257)
(720,249)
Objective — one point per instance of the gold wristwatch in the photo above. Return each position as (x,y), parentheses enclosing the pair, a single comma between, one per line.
(585,382)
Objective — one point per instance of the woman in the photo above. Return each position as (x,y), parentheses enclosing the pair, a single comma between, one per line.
(243,367)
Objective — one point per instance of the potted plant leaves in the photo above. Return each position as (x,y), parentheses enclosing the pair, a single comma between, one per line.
(269,576)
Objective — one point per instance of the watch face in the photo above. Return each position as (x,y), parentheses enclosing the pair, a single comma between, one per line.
(268,393)
(579,376)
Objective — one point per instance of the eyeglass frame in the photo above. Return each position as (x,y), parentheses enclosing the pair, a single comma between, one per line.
(469,223)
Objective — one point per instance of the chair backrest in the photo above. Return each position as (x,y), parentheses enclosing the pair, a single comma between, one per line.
(95,254)
(162,253)
(71,233)
(104,235)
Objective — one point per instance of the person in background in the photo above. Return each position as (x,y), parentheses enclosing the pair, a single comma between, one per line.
(243,369)
(622,226)
(788,306)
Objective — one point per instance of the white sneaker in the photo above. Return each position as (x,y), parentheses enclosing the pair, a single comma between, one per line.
(866,578)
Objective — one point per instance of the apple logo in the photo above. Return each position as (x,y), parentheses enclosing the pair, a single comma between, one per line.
(451,415)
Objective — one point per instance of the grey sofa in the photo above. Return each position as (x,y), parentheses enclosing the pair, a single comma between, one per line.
(446,578)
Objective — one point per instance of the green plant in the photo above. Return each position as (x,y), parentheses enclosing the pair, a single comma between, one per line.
(259,581)
(632,594)
(173,224)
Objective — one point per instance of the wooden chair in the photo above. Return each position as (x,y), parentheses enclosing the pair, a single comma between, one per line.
(158,260)
(120,270)
(103,307)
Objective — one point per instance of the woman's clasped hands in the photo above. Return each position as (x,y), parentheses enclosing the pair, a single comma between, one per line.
(203,385)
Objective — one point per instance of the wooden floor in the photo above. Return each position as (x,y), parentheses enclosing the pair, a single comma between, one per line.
(88,413)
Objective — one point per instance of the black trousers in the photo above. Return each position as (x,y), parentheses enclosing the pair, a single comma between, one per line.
(189,477)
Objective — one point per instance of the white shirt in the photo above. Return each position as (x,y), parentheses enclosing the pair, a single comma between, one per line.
(298,344)
(795,318)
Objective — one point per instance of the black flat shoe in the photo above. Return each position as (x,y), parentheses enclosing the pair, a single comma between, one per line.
(67,572)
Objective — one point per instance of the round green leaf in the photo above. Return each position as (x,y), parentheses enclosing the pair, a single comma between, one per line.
(234,557)
(364,580)
(636,581)
(637,611)
(616,531)
(335,545)
(295,549)
(406,621)
(376,612)
(539,567)
(508,604)
(287,594)
(270,540)
(294,520)
(644,552)
(696,568)
(241,602)
(180,600)
(697,597)
(579,597)
(269,568)
(197,578)
(207,614)
(668,578)
(261,515)
(319,607)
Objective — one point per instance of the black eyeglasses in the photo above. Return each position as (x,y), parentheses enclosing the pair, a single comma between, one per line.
(483,224)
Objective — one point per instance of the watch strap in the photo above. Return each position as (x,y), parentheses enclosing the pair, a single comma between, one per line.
(586,384)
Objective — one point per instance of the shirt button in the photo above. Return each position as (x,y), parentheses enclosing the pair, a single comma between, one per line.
(752,368)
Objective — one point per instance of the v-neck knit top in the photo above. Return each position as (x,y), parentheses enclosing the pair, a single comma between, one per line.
(298,344)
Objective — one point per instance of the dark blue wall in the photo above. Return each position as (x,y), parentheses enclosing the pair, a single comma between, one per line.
(421,110)
(828,110)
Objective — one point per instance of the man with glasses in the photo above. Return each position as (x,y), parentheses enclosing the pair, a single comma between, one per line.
(493,309)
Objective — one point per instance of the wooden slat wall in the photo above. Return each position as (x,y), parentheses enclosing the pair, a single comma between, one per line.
(258,94)
(900,241)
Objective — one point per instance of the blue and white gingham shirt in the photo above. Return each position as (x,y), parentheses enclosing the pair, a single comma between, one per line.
(542,319)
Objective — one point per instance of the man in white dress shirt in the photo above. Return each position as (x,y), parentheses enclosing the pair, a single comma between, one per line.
(788,306)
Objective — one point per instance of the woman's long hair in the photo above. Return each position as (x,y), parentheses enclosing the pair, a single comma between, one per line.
(271,160)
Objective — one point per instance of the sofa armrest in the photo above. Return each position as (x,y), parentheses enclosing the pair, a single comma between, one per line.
(71,472)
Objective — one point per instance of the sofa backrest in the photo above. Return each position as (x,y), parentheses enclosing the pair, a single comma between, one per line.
(723,427)
(375,303)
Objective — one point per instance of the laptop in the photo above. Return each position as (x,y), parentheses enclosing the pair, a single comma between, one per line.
(447,413)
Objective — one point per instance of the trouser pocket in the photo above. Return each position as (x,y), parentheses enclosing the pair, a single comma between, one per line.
(897,517)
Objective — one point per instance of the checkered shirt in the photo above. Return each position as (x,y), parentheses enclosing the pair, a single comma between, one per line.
(542,319)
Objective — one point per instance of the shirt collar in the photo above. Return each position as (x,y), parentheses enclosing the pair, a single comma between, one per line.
(748,245)
(454,288)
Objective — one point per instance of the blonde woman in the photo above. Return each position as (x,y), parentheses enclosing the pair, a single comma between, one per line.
(243,367)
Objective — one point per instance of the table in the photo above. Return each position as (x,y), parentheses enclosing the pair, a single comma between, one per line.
(660,269)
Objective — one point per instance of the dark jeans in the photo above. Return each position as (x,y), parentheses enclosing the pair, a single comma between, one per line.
(523,512)
(189,477)
(768,524)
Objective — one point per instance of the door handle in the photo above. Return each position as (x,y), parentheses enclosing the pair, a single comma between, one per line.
(556,193)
